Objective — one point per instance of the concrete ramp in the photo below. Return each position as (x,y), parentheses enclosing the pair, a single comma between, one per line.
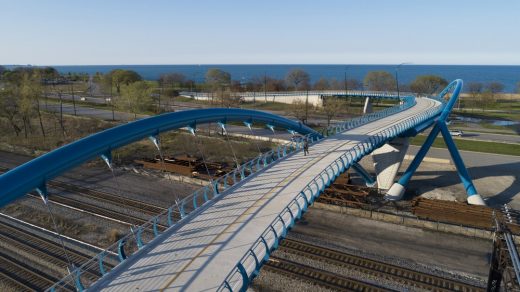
(387,161)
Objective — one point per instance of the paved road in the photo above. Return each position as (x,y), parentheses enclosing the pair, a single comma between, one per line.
(496,176)
(90,112)
(491,137)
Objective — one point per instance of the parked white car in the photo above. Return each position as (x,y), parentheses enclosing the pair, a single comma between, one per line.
(458,133)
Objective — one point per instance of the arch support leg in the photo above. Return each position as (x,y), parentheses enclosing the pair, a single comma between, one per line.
(473,197)
(369,180)
(397,190)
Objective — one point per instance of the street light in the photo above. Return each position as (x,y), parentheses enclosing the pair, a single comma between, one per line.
(346,82)
(397,76)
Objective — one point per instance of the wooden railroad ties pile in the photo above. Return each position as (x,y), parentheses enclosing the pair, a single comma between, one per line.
(186,165)
(453,212)
(341,193)
(459,213)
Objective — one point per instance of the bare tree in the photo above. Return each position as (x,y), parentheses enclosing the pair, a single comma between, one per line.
(332,107)
(299,79)
(428,84)
(299,110)
(380,81)
(475,90)
(172,80)
(228,98)
(354,84)
(494,88)
(322,84)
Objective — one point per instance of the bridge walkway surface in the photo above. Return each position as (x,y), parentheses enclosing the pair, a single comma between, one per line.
(198,254)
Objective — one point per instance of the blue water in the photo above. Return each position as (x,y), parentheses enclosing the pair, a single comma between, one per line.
(508,75)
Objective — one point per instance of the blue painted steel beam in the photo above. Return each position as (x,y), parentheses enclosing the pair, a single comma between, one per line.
(397,190)
(369,180)
(35,173)
(459,163)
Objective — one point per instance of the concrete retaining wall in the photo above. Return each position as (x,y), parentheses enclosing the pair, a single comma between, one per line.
(409,221)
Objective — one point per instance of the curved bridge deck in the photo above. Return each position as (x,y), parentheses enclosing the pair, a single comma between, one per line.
(199,254)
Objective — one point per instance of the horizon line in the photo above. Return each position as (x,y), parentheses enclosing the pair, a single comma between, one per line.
(259,64)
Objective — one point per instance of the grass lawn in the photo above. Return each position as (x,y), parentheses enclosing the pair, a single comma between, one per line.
(469,145)
(515,116)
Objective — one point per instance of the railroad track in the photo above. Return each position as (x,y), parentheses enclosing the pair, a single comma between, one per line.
(42,248)
(45,250)
(318,277)
(108,197)
(375,268)
(23,275)
(106,213)
(136,205)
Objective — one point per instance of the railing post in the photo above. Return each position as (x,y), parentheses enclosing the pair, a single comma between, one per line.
(100,262)
(120,249)
(170,219)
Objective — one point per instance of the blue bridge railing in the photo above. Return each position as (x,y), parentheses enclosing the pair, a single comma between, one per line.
(130,244)
(249,266)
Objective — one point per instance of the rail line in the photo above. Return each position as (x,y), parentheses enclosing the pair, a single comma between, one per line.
(108,197)
(140,206)
(23,275)
(96,210)
(379,269)
(43,249)
(316,276)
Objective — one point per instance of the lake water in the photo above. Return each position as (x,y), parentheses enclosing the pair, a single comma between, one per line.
(508,75)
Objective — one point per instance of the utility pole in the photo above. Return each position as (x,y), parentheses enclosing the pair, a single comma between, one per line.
(265,86)
(346,90)
(112,102)
(397,77)
(397,83)
(73,99)
(307,107)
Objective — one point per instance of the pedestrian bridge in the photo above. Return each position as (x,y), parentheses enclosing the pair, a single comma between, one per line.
(219,237)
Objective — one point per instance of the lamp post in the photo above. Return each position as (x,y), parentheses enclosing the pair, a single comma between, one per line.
(346,87)
(397,77)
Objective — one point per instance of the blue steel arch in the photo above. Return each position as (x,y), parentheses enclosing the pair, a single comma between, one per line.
(35,173)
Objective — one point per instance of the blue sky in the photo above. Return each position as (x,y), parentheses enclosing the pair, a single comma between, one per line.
(88,32)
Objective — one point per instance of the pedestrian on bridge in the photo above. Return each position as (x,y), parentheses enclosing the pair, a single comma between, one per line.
(305,146)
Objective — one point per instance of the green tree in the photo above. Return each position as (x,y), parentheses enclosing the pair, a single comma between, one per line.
(216,81)
(119,77)
(428,84)
(9,108)
(217,78)
(2,71)
(30,95)
(379,81)
(298,79)
(135,98)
